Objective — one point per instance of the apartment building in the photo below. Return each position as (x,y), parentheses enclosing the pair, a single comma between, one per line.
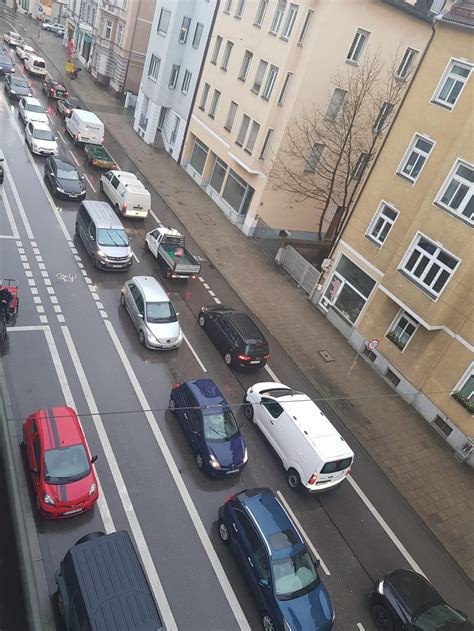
(268,61)
(402,271)
(178,43)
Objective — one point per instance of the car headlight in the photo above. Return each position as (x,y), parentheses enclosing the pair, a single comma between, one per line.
(246,456)
(380,587)
(101,254)
(214,462)
(152,338)
(93,489)
(286,625)
(12,91)
(59,189)
(47,499)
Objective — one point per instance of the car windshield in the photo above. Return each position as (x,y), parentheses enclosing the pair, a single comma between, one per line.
(160,312)
(19,82)
(440,617)
(30,107)
(43,134)
(66,464)
(294,576)
(64,174)
(112,237)
(220,427)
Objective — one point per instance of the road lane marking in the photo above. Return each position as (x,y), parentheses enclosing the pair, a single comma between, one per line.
(181,485)
(395,540)
(90,183)
(217,301)
(74,158)
(309,543)
(271,373)
(11,218)
(21,209)
(61,136)
(142,546)
(360,627)
(135,257)
(155,218)
(196,357)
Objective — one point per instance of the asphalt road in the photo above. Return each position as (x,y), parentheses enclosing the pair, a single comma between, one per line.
(73,344)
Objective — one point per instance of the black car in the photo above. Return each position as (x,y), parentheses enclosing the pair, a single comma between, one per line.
(235,335)
(405,600)
(54,89)
(6,65)
(1,169)
(17,86)
(63,179)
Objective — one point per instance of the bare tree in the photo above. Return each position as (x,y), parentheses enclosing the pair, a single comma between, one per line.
(324,153)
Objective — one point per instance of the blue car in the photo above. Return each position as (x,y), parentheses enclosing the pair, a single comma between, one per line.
(210,427)
(275,562)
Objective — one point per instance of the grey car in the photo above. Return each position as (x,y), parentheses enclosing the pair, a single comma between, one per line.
(152,313)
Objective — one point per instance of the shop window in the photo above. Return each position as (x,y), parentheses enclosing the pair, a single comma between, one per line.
(199,156)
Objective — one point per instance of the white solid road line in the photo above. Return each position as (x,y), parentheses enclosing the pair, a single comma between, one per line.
(135,257)
(183,491)
(21,209)
(74,158)
(360,627)
(395,540)
(303,532)
(138,535)
(196,356)
(61,136)
(155,218)
(11,218)
(271,373)
(90,183)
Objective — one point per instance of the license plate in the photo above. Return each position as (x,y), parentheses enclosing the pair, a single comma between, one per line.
(230,472)
(72,512)
(255,361)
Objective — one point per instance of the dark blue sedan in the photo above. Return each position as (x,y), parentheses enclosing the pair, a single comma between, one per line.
(210,427)
(276,563)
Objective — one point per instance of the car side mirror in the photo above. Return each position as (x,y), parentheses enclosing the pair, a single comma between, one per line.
(140,315)
(93,459)
(316,563)
(91,236)
(34,471)
(240,424)
(196,433)
(83,177)
(263,582)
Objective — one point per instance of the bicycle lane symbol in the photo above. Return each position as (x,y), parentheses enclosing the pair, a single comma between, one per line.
(66,278)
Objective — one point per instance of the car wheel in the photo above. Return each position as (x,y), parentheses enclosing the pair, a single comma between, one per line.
(382,618)
(223,532)
(142,338)
(172,405)
(101,186)
(199,460)
(248,410)
(267,622)
(228,359)
(122,301)
(202,320)
(293,479)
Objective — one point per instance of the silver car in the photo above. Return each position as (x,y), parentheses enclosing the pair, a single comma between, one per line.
(152,313)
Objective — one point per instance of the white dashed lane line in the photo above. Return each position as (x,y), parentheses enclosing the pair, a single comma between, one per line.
(90,183)
(74,158)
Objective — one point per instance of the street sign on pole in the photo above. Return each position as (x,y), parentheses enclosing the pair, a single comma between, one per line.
(373,344)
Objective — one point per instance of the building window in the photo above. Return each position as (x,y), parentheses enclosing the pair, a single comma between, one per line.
(257,84)
(174,133)
(184,30)
(107,29)
(442,426)
(262,9)
(381,224)
(214,103)
(335,104)
(164,21)
(428,266)
(357,46)
(278,17)
(161,119)
(143,122)
(402,330)
(314,158)
(218,175)
(231,116)
(226,57)
(290,21)
(284,88)
(252,137)
(237,193)
(217,47)
(243,130)
(198,156)
(457,194)
(244,69)
(415,158)
(186,82)
(239,10)
(382,117)
(266,145)
(227,6)
(119,34)
(197,35)
(406,64)
(452,83)
(268,89)
(360,165)
(304,30)
(174,76)
(348,289)
(392,377)
(464,392)
(204,95)
(154,67)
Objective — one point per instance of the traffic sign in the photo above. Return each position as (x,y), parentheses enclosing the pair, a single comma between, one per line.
(372,345)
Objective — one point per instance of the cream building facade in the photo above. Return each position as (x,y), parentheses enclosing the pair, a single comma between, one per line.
(402,271)
(267,60)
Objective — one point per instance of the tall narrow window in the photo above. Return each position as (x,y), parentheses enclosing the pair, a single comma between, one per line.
(164,21)
(174,76)
(154,67)
(197,34)
(290,22)
(360,165)
(262,9)
(335,104)
(357,46)
(217,47)
(226,57)
(204,95)
(186,82)
(184,30)
(227,6)
(174,133)
(161,119)
(304,30)
(284,88)
(314,158)
(243,130)
(214,103)
(406,63)
(266,145)
(239,10)
(278,17)
(268,89)
(231,116)
(382,118)
(244,69)
(257,84)
(252,137)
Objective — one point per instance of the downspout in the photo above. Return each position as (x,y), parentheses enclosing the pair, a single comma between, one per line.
(198,82)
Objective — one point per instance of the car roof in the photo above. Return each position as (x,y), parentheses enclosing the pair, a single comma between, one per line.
(246,325)
(4,58)
(87,116)
(32,100)
(63,164)
(41,126)
(413,589)
(102,214)
(152,289)
(207,393)
(58,426)
(19,79)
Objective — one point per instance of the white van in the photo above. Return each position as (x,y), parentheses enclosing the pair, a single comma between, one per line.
(312,451)
(126,193)
(35,65)
(85,127)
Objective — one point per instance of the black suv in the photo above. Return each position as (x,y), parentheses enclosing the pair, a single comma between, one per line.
(235,335)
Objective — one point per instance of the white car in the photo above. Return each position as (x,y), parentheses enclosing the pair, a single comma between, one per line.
(23,50)
(12,38)
(41,139)
(31,110)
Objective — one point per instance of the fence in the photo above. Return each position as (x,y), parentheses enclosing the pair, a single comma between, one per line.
(305,274)
(266,238)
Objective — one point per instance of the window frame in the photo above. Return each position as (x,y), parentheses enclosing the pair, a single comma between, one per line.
(226,56)
(360,166)
(196,31)
(214,103)
(186,81)
(231,114)
(216,50)
(452,176)
(252,136)
(387,220)
(354,47)
(284,88)
(395,322)
(244,69)
(334,105)
(265,144)
(239,9)
(468,373)
(227,7)
(264,64)
(277,19)
(441,83)
(161,31)
(409,150)
(314,153)
(243,130)
(270,82)
(406,63)
(382,117)
(174,133)
(184,29)
(156,61)
(291,17)
(173,80)
(305,27)
(204,95)
(261,12)
(108,30)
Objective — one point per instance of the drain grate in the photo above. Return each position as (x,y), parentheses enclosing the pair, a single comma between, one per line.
(326,356)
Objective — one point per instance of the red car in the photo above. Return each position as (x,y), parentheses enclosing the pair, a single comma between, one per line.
(60,463)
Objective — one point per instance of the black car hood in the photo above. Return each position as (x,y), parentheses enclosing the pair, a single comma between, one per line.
(412,589)
(20,90)
(71,186)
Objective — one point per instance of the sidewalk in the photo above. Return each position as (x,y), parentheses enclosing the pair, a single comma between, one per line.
(418,462)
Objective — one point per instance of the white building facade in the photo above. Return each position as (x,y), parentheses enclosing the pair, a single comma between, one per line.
(177,47)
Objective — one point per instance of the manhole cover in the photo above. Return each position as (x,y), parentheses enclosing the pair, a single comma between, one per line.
(326,356)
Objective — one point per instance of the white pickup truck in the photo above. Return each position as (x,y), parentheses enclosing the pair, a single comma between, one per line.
(167,246)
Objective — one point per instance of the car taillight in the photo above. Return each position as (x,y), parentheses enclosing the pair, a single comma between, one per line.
(173,276)
(244,358)
(193,276)
(313,479)
(51,91)
(66,94)
(124,207)
(176,386)
(266,356)
(78,136)
(230,498)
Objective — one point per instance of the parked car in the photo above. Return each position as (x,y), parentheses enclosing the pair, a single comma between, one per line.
(59,463)
(54,89)
(6,65)
(406,600)
(64,107)
(12,38)
(41,139)
(235,335)
(16,86)
(152,313)
(30,110)
(168,246)
(313,453)
(85,127)
(275,562)
(64,179)
(53,28)
(24,49)
(98,156)
(35,65)
(210,427)
(127,195)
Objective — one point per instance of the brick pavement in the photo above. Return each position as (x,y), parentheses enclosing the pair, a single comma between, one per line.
(401,442)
